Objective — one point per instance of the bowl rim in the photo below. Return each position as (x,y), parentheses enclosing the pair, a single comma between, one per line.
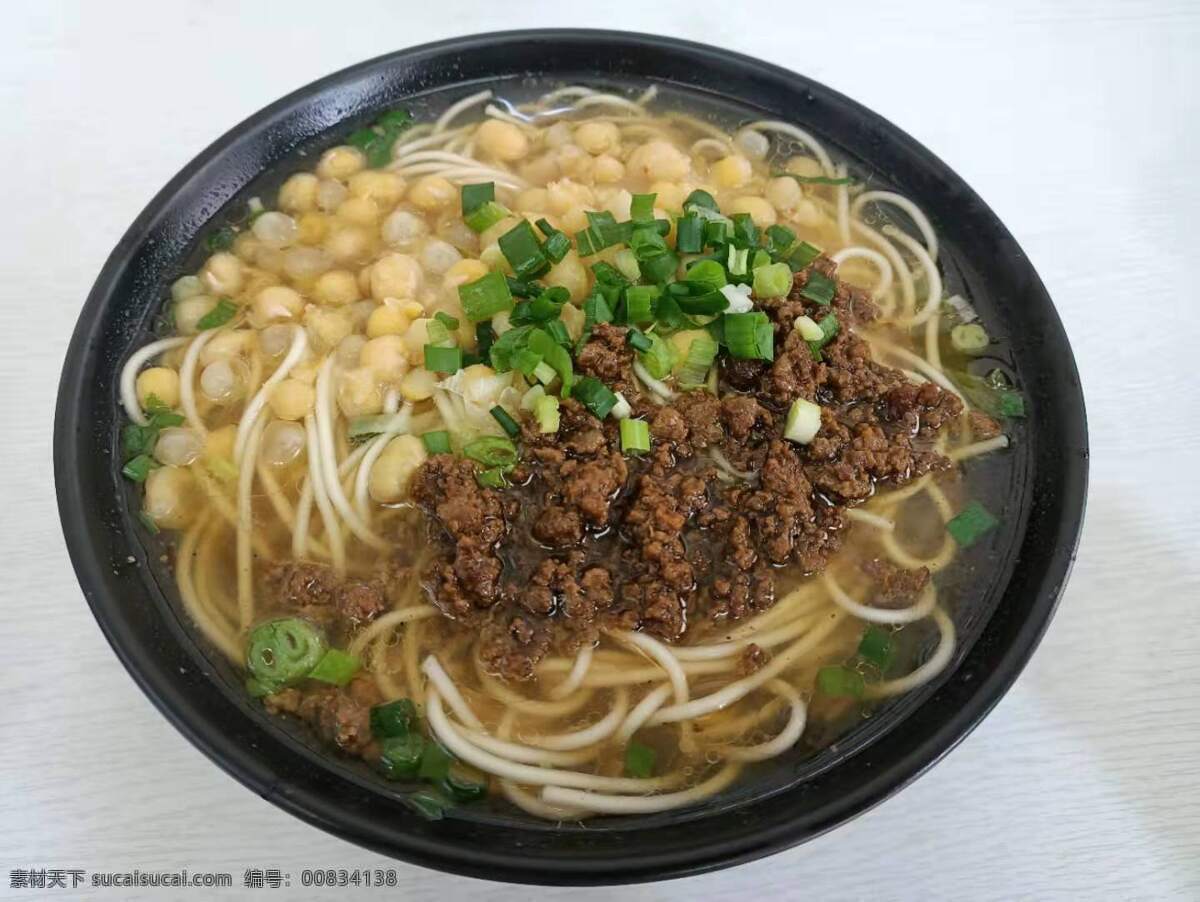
(317,801)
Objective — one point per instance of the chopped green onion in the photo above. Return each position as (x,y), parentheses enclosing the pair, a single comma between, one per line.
(808,328)
(639,760)
(450,322)
(876,647)
(990,396)
(840,682)
(745,232)
(147,521)
(638,340)
(641,208)
(626,262)
(708,274)
(475,196)
(546,412)
(493,478)
(465,783)
(639,303)
(485,217)
(760,259)
(395,718)
(773,281)
(659,358)
(435,762)
(716,232)
(485,297)
(819,288)
(700,356)
(700,198)
(520,289)
(689,234)
(971,524)
(443,360)
(506,345)
(485,337)
(829,329)
(969,338)
(220,240)
(137,439)
(802,255)
(283,651)
(779,240)
(218,316)
(738,260)
(437,334)
(377,142)
(749,336)
(803,422)
(557,244)
(336,667)
(139,468)
(635,436)
(621,410)
(557,330)
(400,756)
(659,269)
(705,304)
(507,423)
(427,803)
(525,361)
(594,395)
(491,451)
(437,442)
(544,373)
(553,355)
(530,397)
(523,251)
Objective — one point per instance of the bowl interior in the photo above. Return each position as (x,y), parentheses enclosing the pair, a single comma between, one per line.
(1002,609)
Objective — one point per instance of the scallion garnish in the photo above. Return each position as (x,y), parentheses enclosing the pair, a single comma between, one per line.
(556,245)
(545,411)
(819,289)
(523,251)
(437,442)
(485,336)
(392,719)
(639,303)
(400,756)
(450,322)
(689,234)
(840,682)
(218,316)
(745,232)
(659,358)
(335,667)
(507,423)
(594,395)
(485,297)
(638,340)
(639,760)
(491,451)
(829,329)
(779,240)
(377,142)
(220,240)
(641,208)
(876,646)
(749,336)
(773,280)
(475,196)
(700,198)
(493,478)
(969,338)
(700,356)
(990,395)
(635,436)
(554,355)
(139,468)
(739,260)
(802,255)
(971,524)
(443,360)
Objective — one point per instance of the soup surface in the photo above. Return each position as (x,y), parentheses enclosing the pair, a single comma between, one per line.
(581,452)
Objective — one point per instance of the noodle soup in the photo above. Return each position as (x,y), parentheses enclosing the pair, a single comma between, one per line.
(579,453)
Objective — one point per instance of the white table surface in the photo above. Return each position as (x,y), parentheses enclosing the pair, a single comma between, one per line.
(1077,120)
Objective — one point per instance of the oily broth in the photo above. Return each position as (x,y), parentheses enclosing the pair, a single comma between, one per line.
(394,657)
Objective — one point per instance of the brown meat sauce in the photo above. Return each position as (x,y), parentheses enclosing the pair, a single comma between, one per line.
(588,539)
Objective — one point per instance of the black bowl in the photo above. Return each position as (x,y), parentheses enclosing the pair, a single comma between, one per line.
(133,598)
